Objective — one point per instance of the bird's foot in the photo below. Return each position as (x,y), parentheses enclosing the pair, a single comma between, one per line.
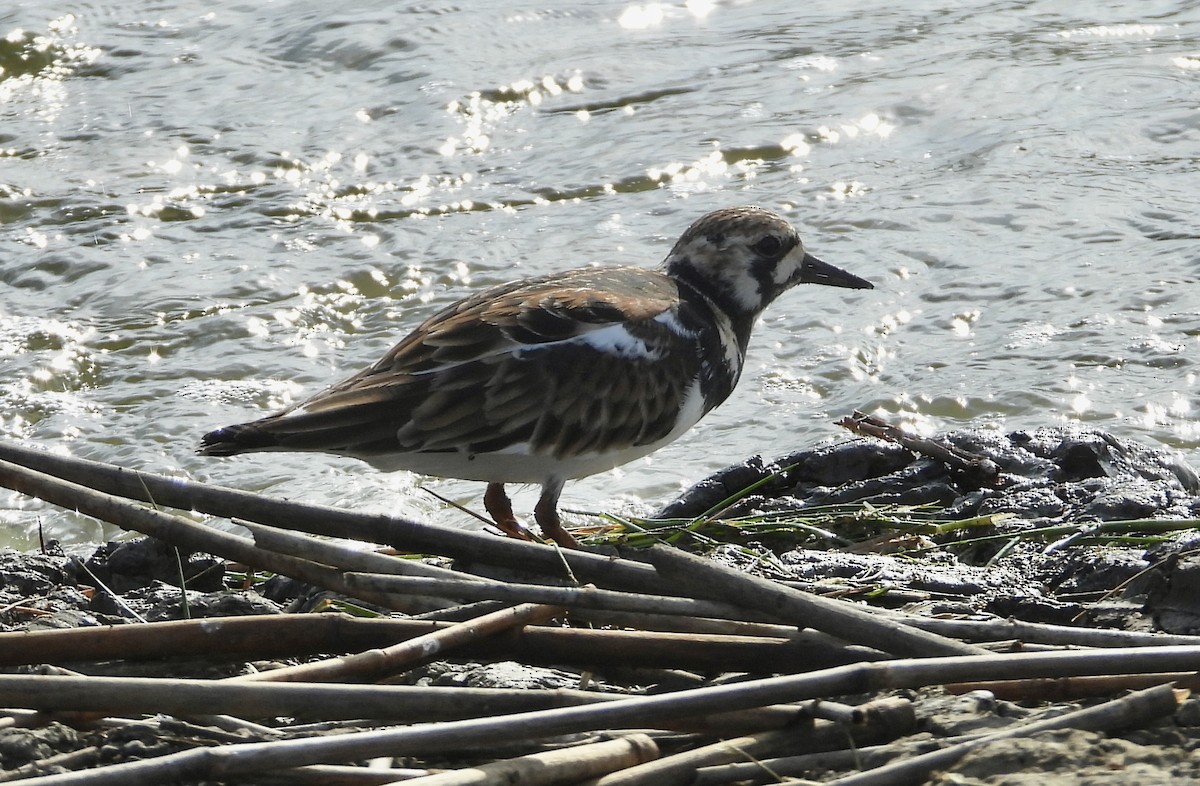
(547,518)
(499,507)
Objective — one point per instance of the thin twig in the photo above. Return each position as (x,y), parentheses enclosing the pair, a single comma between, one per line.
(950,455)
(565,765)
(1120,713)
(340,555)
(588,597)
(707,579)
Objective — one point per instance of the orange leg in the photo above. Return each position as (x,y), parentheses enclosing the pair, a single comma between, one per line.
(499,507)
(546,515)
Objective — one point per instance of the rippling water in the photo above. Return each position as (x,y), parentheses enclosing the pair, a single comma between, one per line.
(205,215)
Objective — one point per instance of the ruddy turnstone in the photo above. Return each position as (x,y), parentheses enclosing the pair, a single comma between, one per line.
(561,376)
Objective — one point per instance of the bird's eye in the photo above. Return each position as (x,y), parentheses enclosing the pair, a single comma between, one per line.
(769,246)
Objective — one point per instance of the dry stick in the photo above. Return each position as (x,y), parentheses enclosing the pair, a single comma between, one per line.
(235,725)
(588,597)
(876,722)
(339,775)
(402,534)
(1068,688)
(173,529)
(394,703)
(770,770)
(1136,708)
(950,455)
(1038,632)
(680,769)
(713,651)
(704,578)
(566,765)
(677,624)
(375,663)
(895,717)
(640,712)
(461,612)
(20,719)
(256,637)
(341,556)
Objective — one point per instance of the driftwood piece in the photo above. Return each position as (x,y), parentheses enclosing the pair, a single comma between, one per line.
(177,530)
(402,534)
(566,765)
(857,726)
(772,770)
(1072,688)
(340,775)
(192,697)
(704,578)
(1038,632)
(376,663)
(257,637)
(953,457)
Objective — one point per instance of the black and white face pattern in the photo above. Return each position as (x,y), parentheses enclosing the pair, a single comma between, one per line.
(741,258)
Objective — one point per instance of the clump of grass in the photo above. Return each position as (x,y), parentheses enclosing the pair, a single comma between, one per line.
(839,526)
(864,526)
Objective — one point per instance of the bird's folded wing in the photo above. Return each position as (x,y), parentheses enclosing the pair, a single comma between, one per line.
(594,363)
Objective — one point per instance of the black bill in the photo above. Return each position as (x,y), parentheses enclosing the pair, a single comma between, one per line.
(817,272)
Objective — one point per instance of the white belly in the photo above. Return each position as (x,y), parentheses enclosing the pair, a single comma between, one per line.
(516,464)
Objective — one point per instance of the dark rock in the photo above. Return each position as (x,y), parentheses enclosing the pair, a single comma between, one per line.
(69,618)
(1129,499)
(1040,503)
(158,601)
(1062,478)
(972,712)
(136,741)
(942,574)
(1175,605)
(1188,713)
(1054,475)
(501,674)
(1034,609)
(918,483)
(717,488)
(22,746)
(1098,570)
(844,462)
(282,589)
(137,563)
(23,575)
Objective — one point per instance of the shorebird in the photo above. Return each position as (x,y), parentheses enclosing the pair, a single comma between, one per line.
(557,377)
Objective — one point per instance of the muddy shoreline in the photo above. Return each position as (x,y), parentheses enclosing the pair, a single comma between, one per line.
(1072,528)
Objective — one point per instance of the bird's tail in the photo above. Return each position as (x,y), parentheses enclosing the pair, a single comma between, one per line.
(231,440)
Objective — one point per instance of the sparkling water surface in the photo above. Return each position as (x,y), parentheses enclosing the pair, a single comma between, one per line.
(209,212)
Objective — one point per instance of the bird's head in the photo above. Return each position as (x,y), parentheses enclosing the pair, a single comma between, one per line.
(745,257)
